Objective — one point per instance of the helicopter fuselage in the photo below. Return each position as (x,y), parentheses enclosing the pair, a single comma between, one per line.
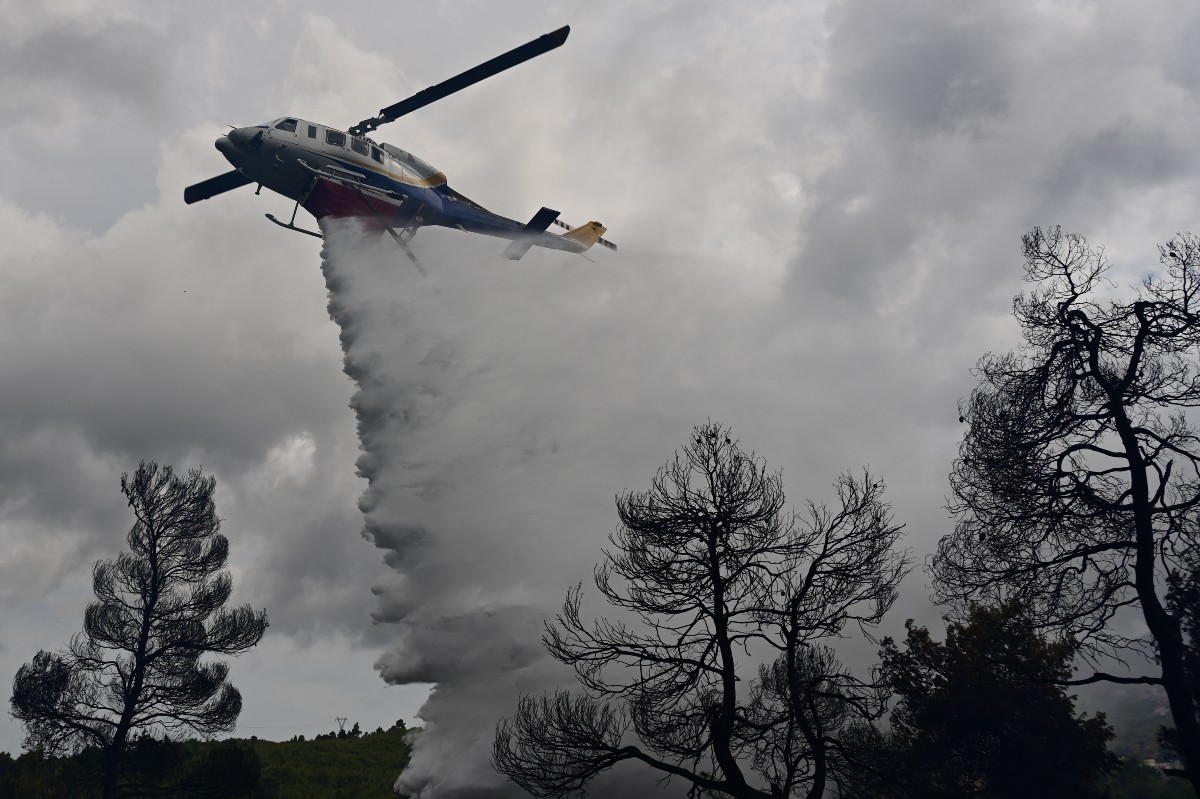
(290,156)
(336,173)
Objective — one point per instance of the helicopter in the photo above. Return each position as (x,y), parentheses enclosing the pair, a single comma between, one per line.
(346,174)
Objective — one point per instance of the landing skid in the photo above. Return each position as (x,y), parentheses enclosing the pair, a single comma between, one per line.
(291,225)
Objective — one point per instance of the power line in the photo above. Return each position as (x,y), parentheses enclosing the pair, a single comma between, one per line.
(280,726)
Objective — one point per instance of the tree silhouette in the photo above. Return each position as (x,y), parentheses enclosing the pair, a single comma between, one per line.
(981,715)
(720,579)
(1078,482)
(160,609)
(1183,600)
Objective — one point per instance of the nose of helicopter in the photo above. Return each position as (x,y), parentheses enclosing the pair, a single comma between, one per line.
(226,147)
(241,137)
(237,142)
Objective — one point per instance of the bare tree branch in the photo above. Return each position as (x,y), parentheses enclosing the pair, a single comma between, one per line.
(1077,486)
(714,571)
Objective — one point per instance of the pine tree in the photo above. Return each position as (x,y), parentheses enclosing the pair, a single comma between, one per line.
(160,608)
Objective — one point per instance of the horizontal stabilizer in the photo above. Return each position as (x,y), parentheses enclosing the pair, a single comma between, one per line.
(525,239)
(214,186)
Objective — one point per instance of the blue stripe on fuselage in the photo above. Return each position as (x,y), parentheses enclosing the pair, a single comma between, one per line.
(441,207)
(456,213)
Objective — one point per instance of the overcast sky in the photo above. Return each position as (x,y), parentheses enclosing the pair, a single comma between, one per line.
(819,208)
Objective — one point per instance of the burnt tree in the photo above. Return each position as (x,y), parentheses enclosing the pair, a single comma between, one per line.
(160,608)
(722,681)
(1077,485)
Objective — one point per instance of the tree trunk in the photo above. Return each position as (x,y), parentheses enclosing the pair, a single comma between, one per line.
(1166,630)
(112,764)
(722,725)
(116,750)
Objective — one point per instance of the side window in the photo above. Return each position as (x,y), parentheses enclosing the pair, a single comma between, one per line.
(288,124)
(359,146)
(378,156)
(312,131)
(335,137)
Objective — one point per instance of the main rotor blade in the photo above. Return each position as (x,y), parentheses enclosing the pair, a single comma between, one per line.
(214,186)
(518,55)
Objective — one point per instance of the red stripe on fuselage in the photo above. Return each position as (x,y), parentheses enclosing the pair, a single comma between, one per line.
(328,199)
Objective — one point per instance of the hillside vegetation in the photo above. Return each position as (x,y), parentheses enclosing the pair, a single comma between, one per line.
(354,766)
(338,768)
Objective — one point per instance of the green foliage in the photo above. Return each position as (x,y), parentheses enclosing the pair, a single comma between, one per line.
(1136,781)
(362,767)
(34,776)
(981,715)
(190,770)
(1183,600)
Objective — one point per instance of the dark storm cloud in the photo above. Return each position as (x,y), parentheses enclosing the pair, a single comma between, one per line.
(1094,166)
(964,125)
(913,166)
(912,88)
(49,63)
(1178,52)
(148,344)
(60,506)
(931,67)
(819,210)
(86,86)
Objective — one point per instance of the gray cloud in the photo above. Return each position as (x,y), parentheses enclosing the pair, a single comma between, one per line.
(819,208)
(923,69)
(1094,166)
(93,79)
(49,61)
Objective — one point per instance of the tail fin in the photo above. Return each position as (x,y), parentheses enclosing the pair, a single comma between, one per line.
(525,239)
(587,235)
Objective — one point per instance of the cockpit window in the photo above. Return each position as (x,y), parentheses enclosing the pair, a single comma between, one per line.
(335,137)
(378,156)
(288,124)
(359,146)
(421,168)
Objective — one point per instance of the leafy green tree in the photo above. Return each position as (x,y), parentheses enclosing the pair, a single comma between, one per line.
(1137,781)
(35,776)
(1077,489)
(710,564)
(984,716)
(1183,601)
(160,768)
(137,665)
